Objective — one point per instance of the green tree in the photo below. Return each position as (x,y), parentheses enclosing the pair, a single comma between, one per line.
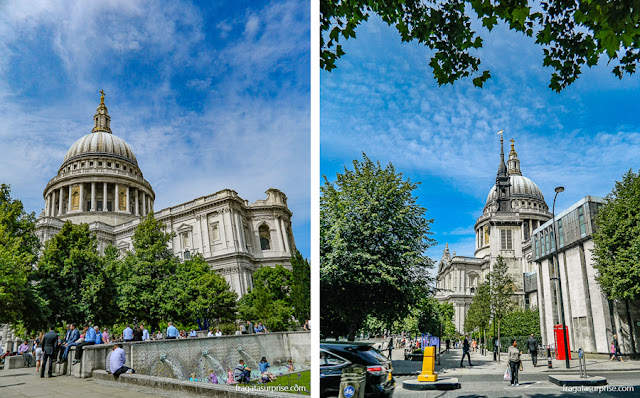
(202,294)
(521,322)
(501,291)
(300,286)
(270,299)
(71,278)
(479,313)
(572,34)
(446,313)
(373,236)
(146,276)
(617,240)
(18,253)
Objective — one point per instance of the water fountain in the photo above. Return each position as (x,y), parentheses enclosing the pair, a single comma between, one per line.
(217,368)
(177,372)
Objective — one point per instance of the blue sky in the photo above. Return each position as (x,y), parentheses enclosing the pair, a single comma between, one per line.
(209,96)
(382,100)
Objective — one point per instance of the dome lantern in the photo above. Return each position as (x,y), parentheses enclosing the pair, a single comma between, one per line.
(101,120)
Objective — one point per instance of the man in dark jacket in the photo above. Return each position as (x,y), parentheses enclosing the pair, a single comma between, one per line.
(49,340)
(465,351)
(532,343)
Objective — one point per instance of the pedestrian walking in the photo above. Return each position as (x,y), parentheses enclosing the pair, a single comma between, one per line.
(532,342)
(448,342)
(616,348)
(465,351)
(514,362)
(390,347)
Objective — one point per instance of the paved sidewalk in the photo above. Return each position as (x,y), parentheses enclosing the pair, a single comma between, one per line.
(24,382)
(484,364)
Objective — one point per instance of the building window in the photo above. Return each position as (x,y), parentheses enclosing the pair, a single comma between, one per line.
(117,165)
(537,246)
(214,232)
(265,237)
(100,164)
(486,234)
(185,240)
(583,229)
(526,230)
(91,164)
(546,242)
(108,164)
(99,205)
(506,242)
(560,236)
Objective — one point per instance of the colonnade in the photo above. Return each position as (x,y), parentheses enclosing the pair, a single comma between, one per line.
(62,201)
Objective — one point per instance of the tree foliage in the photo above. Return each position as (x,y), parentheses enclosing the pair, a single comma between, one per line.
(18,253)
(521,322)
(572,34)
(479,313)
(71,278)
(300,286)
(373,236)
(146,276)
(617,240)
(501,289)
(201,293)
(270,299)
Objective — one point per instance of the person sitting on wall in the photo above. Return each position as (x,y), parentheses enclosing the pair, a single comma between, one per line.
(89,339)
(193,333)
(23,350)
(71,341)
(117,361)
(172,332)
(242,373)
(209,333)
(127,334)
(218,333)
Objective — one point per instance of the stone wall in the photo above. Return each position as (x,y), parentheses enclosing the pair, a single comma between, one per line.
(179,358)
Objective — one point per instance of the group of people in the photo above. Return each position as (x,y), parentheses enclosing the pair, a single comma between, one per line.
(249,328)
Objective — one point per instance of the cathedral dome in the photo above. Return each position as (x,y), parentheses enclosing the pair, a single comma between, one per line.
(521,187)
(101,143)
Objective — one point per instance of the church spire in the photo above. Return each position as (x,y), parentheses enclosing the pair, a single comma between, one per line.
(513,164)
(101,120)
(502,168)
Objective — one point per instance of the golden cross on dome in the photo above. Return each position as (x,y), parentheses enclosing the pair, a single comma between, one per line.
(102,96)
(512,141)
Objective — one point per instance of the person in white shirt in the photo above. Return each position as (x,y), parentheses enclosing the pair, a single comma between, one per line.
(145,333)
(117,361)
(209,333)
(218,333)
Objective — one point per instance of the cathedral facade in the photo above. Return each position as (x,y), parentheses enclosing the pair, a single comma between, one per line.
(515,207)
(101,184)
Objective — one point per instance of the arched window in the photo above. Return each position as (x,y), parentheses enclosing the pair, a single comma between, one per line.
(265,237)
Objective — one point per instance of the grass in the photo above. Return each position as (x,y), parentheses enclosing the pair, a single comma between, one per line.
(299,379)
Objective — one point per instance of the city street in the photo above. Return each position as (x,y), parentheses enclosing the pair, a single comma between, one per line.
(485,378)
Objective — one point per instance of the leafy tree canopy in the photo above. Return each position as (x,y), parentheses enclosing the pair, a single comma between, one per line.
(71,278)
(18,253)
(270,299)
(373,236)
(521,322)
(301,286)
(501,289)
(479,313)
(617,240)
(572,34)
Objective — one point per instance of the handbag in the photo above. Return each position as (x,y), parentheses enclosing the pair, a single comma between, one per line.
(507,374)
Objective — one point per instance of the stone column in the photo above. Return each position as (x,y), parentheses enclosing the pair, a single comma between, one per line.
(81,204)
(47,206)
(93,196)
(117,200)
(104,196)
(285,236)
(60,200)
(279,234)
(69,204)
(137,207)
(240,230)
(144,204)
(128,204)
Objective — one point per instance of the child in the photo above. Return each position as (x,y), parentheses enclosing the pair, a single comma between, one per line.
(265,375)
(213,378)
(290,365)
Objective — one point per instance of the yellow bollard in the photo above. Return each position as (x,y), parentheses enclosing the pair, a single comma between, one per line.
(428,365)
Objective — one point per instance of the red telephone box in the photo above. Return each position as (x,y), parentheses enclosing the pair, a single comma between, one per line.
(558,333)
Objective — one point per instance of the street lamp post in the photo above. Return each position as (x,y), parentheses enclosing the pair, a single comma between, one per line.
(555,242)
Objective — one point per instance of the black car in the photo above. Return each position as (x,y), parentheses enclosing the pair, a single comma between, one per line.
(335,356)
